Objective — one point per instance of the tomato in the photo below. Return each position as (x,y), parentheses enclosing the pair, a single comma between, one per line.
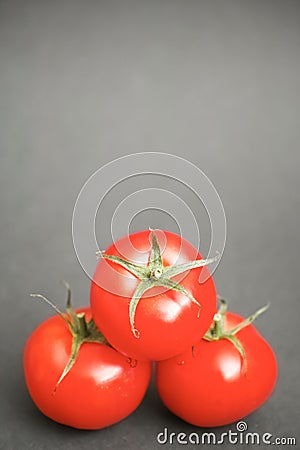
(99,388)
(222,380)
(146,296)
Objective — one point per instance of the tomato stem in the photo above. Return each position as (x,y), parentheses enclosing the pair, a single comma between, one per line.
(217,329)
(82,326)
(155,274)
(81,330)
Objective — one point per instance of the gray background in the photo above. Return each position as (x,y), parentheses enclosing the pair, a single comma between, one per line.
(84,82)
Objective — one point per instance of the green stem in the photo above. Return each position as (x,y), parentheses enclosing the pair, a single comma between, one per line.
(155,274)
(81,331)
(82,326)
(217,330)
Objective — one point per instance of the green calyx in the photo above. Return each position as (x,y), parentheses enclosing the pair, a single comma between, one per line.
(81,330)
(155,274)
(217,330)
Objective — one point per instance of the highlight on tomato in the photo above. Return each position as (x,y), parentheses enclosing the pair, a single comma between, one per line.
(146,296)
(227,375)
(75,377)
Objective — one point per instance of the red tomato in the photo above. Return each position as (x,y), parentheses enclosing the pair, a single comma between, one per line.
(213,385)
(101,388)
(167,320)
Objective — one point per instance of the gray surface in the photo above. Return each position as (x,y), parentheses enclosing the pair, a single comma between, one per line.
(82,83)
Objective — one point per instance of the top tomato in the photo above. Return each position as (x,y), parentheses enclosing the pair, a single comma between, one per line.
(146,296)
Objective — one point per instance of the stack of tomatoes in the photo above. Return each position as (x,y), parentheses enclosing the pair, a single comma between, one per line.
(152,298)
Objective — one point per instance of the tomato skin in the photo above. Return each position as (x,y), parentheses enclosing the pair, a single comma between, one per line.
(209,387)
(168,321)
(101,389)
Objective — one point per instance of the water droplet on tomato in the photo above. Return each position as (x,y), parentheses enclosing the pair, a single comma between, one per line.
(180,362)
(132,362)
